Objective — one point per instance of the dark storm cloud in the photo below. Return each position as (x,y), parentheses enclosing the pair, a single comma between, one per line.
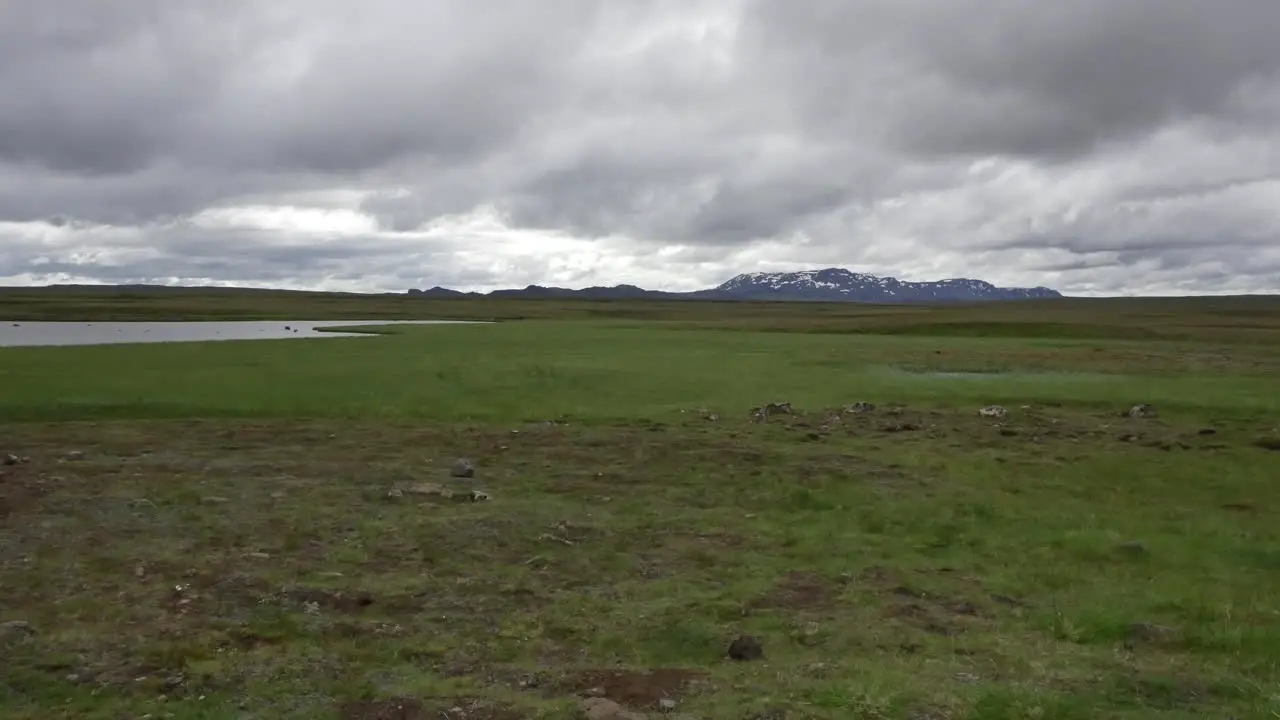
(331,87)
(921,134)
(1016,76)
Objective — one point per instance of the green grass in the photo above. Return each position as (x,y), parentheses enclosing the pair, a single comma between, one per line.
(917,561)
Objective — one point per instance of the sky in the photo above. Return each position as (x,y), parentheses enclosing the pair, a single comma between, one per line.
(1100,147)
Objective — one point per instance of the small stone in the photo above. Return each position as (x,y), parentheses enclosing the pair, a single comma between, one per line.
(260,556)
(463,468)
(277,495)
(764,412)
(993,411)
(74,456)
(1142,410)
(16,628)
(746,648)
(9,459)
(858,408)
(395,494)
(666,705)
(215,500)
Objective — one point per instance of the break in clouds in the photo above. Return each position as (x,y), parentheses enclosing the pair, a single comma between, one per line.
(1095,146)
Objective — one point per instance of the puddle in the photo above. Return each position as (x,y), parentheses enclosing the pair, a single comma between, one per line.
(34,334)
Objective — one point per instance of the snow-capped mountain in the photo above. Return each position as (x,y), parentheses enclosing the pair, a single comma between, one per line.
(836,284)
(829,285)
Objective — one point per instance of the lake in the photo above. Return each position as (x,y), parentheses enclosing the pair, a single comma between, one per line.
(27,334)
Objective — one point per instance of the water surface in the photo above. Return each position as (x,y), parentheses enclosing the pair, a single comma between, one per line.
(17,334)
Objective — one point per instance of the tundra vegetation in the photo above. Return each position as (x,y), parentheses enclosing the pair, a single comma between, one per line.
(1053,509)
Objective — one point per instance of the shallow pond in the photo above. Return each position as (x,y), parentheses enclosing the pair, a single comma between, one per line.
(15,334)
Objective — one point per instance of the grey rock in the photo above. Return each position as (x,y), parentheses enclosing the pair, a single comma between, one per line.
(1142,410)
(667,705)
(10,459)
(16,629)
(463,468)
(993,411)
(74,456)
(858,408)
(764,412)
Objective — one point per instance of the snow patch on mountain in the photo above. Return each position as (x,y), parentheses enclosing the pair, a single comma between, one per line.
(842,284)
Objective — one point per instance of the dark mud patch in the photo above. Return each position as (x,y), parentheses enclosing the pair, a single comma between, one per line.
(1268,443)
(398,709)
(935,611)
(412,709)
(337,600)
(638,688)
(801,590)
(924,618)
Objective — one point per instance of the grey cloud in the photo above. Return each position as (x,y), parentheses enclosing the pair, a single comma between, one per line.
(821,131)
(1014,76)
(196,254)
(323,86)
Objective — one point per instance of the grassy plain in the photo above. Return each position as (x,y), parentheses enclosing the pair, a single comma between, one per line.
(261,529)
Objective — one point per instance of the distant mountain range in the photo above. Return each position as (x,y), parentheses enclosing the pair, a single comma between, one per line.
(828,285)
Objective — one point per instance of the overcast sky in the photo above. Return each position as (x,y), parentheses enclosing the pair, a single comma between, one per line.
(1095,146)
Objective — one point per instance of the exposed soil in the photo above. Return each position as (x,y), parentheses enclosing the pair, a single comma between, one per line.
(634,688)
(801,590)
(412,709)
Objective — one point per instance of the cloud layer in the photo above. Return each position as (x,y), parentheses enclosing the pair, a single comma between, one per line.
(1093,146)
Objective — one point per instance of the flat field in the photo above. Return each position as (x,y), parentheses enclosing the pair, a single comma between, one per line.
(270,529)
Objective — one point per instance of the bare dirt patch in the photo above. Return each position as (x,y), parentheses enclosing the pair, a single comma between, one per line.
(398,709)
(413,709)
(634,688)
(801,590)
